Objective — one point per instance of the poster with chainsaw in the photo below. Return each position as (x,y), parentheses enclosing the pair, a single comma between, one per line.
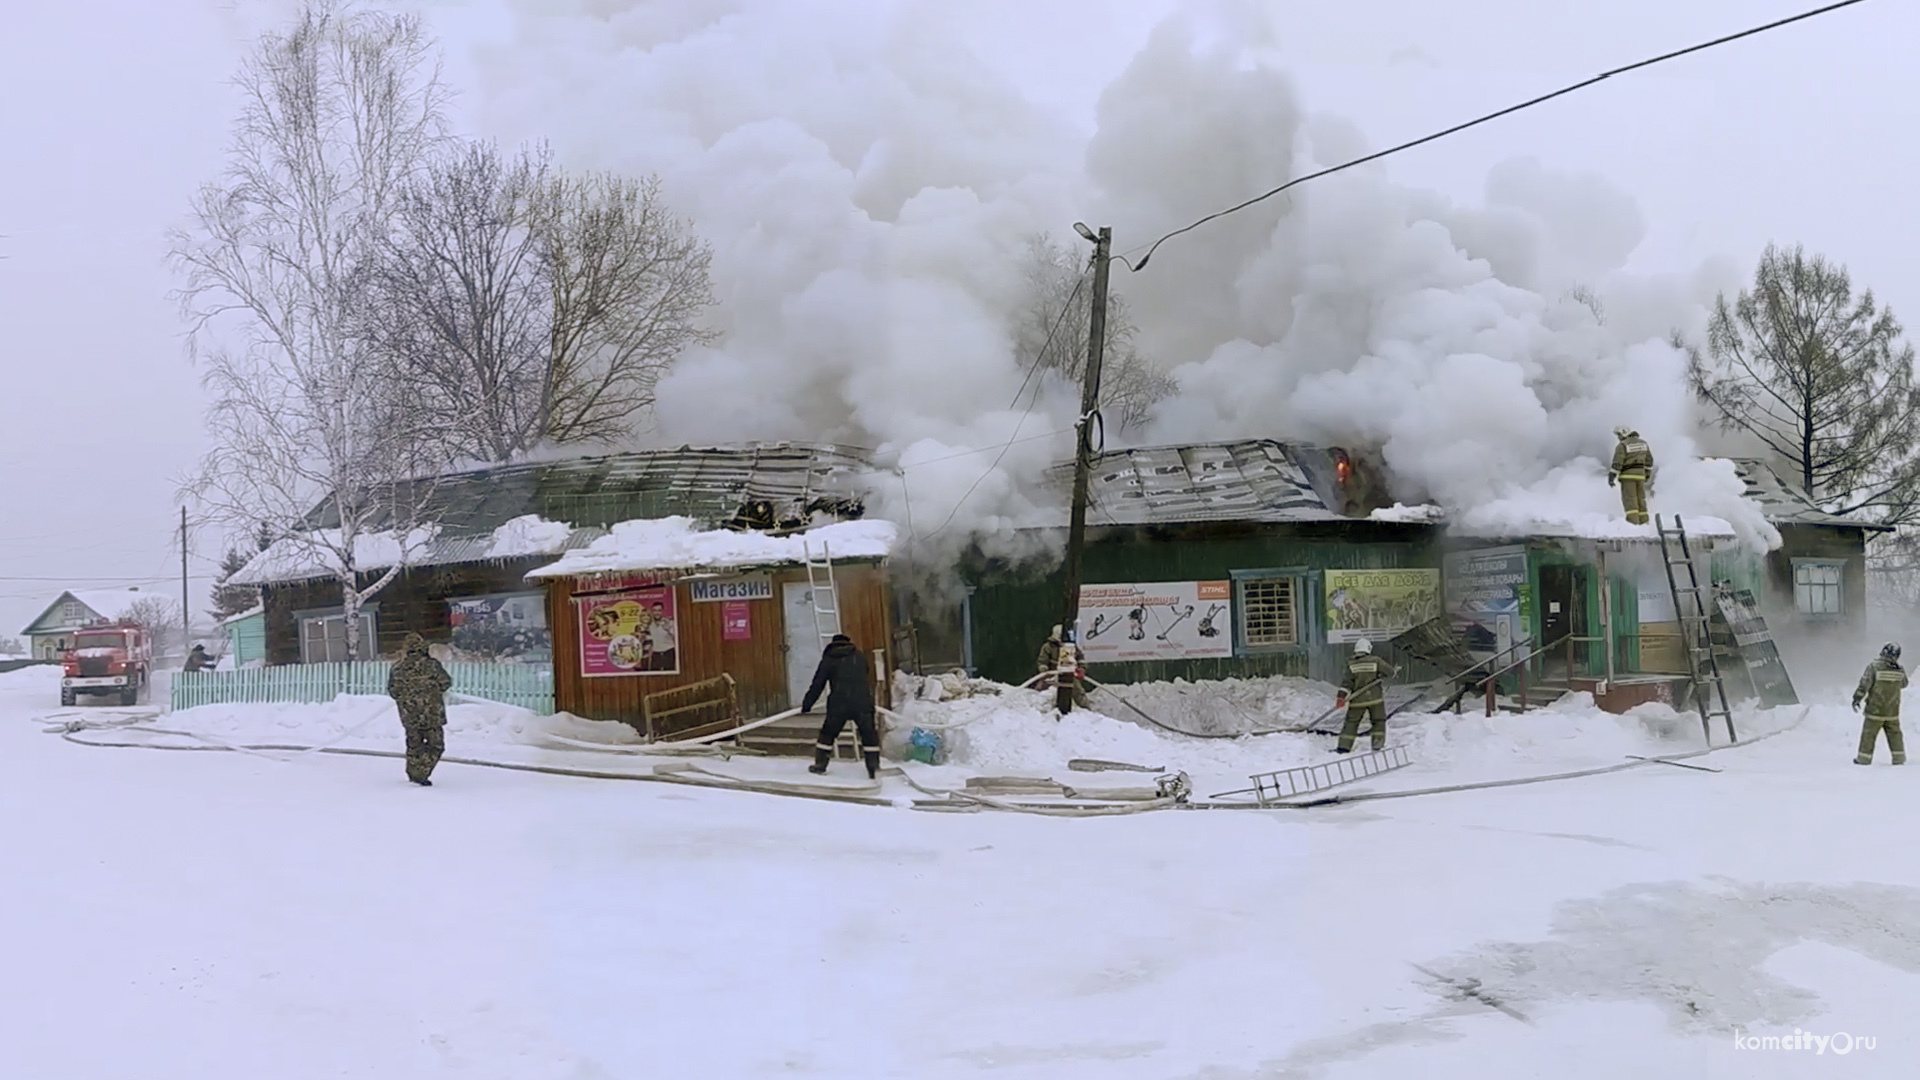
(1156,620)
(1379,604)
(629,633)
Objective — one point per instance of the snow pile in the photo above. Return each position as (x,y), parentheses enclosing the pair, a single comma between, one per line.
(1425,512)
(529,534)
(676,543)
(317,554)
(373,722)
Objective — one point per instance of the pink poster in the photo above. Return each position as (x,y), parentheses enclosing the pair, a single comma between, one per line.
(736,621)
(629,633)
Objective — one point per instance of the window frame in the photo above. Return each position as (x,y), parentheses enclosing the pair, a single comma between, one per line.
(369,613)
(1300,579)
(1838,586)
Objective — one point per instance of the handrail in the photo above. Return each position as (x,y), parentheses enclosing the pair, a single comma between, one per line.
(1556,643)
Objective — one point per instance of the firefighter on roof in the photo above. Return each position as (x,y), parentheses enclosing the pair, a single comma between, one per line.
(1364,693)
(1633,470)
(1880,688)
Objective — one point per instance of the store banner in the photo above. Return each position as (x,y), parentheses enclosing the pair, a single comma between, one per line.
(720,590)
(1158,620)
(1379,604)
(629,633)
(1486,594)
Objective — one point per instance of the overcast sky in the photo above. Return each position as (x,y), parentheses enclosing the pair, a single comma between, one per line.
(111,113)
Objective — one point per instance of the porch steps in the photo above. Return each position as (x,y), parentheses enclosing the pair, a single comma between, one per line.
(794,738)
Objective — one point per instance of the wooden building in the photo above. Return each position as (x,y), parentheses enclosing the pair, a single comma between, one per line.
(657,608)
(50,634)
(468,589)
(1259,558)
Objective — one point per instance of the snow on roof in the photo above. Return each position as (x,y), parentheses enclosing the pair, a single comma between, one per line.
(312,555)
(676,543)
(247,614)
(529,534)
(1583,526)
(1782,502)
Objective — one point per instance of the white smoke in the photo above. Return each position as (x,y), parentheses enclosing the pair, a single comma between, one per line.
(868,186)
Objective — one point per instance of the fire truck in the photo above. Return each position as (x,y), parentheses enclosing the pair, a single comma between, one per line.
(108,658)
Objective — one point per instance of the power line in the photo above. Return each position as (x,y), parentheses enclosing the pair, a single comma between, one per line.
(1038,357)
(984,449)
(1508,111)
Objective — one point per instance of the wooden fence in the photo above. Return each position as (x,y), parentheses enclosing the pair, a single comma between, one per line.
(526,685)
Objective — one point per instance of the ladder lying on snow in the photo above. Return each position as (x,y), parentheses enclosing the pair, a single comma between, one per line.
(1690,608)
(1271,787)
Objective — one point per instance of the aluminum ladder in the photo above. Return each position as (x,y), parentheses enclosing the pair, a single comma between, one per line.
(1696,638)
(825,594)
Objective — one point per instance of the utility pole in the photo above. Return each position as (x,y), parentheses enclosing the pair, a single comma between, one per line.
(186,620)
(1083,443)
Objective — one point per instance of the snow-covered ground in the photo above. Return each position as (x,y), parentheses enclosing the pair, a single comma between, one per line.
(303,915)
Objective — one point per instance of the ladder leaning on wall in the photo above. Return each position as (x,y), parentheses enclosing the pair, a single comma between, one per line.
(825,594)
(1690,608)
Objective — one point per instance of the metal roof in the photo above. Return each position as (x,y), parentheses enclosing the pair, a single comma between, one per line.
(1248,480)
(709,484)
(758,485)
(1785,504)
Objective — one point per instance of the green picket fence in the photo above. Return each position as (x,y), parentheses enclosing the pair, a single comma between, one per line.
(525,685)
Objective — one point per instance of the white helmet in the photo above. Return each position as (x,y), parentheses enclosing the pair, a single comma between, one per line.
(1362,647)
(1622,432)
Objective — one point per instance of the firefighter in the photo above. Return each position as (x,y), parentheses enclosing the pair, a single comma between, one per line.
(843,667)
(1633,470)
(1364,694)
(198,660)
(1880,688)
(1048,662)
(417,686)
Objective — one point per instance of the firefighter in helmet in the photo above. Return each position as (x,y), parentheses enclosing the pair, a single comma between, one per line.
(1880,689)
(1364,693)
(1049,660)
(1633,471)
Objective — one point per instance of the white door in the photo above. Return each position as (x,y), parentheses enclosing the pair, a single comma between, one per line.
(803,638)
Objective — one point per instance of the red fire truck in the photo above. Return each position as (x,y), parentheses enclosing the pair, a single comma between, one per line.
(108,658)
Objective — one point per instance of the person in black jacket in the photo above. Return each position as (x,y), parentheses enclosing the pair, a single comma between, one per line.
(843,667)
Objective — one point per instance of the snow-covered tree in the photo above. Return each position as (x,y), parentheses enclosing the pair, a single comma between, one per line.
(229,599)
(342,110)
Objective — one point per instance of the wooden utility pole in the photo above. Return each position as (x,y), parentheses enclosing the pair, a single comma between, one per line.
(1083,443)
(186,620)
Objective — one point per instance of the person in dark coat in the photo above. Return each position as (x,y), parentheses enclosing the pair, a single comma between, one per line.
(417,686)
(844,668)
(198,660)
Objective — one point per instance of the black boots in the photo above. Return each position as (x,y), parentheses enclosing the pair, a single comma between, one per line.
(820,759)
(873,764)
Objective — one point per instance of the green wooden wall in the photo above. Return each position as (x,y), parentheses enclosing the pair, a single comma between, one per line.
(1013,609)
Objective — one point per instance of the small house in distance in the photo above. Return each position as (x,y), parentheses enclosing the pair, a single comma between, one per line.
(469,588)
(48,635)
(677,630)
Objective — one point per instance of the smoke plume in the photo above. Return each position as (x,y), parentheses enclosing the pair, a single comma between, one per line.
(869,186)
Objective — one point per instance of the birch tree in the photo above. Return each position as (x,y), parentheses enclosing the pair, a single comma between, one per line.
(340,112)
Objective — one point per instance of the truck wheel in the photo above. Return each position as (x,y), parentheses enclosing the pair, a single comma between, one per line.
(130,696)
(67,697)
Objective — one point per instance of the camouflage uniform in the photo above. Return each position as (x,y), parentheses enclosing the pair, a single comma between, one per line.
(1880,687)
(1049,661)
(1366,690)
(416,686)
(1633,468)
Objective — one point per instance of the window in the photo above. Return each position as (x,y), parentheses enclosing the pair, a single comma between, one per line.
(1816,586)
(72,612)
(1269,612)
(323,638)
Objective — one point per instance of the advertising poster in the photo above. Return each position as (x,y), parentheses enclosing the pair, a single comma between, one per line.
(1486,597)
(736,621)
(1159,620)
(509,628)
(1379,604)
(629,633)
